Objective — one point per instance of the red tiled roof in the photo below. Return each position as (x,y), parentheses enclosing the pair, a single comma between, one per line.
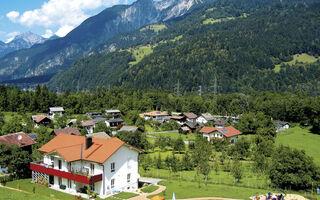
(227,131)
(39,118)
(155,113)
(190,115)
(69,147)
(12,139)
(71,131)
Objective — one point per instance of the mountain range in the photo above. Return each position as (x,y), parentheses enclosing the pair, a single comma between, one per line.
(59,54)
(22,41)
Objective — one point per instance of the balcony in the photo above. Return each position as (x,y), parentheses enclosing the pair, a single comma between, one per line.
(46,169)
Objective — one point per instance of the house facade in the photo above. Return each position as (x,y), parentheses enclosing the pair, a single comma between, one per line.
(228,133)
(78,163)
(205,118)
(55,111)
(190,117)
(155,115)
(114,123)
(89,125)
(113,113)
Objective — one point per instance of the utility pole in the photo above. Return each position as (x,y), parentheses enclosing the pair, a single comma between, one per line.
(178,87)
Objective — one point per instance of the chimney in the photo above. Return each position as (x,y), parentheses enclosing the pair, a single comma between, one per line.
(88,142)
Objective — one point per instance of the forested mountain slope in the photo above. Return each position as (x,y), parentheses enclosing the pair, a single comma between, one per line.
(238,42)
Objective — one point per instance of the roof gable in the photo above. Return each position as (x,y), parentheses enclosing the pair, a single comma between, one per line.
(226,131)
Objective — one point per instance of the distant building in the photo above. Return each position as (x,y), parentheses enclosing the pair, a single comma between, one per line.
(21,139)
(205,118)
(113,113)
(155,115)
(55,111)
(220,123)
(88,125)
(190,117)
(93,115)
(78,163)
(69,130)
(99,119)
(40,120)
(229,133)
(114,123)
(281,126)
(101,135)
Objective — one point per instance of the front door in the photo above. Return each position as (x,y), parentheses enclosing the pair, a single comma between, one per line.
(51,180)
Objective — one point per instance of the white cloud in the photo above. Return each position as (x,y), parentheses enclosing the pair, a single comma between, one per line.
(11,36)
(64,30)
(48,34)
(60,12)
(13,15)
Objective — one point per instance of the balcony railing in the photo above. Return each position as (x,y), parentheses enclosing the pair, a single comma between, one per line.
(79,177)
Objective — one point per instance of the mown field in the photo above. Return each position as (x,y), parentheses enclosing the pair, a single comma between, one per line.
(301,58)
(301,138)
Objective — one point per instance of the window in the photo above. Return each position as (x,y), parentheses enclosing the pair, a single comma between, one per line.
(92,187)
(91,168)
(60,180)
(52,161)
(113,167)
(112,183)
(128,178)
(60,164)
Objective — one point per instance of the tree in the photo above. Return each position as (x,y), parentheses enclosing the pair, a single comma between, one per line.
(102,127)
(241,148)
(2,122)
(19,162)
(12,126)
(61,121)
(135,138)
(236,170)
(292,168)
(187,163)
(179,145)
(158,162)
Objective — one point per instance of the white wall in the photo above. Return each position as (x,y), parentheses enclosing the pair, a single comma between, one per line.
(126,161)
(201,120)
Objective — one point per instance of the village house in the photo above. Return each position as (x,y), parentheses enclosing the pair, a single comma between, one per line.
(155,115)
(77,163)
(205,118)
(114,123)
(179,119)
(113,113)
(55,111)
(20,139)
(190,117)
(69,130)
(281,126)
(189,127)
(229,133)
(93,115)
(220,123)
(88,125)
(40,120)
(102,135)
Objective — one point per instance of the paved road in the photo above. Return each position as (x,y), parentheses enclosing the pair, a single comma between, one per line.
(153,181)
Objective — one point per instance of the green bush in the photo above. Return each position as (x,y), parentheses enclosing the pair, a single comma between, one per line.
(63,187)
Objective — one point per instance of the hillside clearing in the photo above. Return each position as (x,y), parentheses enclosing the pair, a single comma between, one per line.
(140,52)
(155,27)
(297,58)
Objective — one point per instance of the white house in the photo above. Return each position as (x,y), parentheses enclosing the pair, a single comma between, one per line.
(155,115)
(77,163)
(53,111)
(281,126)
(205,118)
(114,123)
(229,133)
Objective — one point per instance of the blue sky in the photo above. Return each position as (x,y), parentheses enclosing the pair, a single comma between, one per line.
(47,17)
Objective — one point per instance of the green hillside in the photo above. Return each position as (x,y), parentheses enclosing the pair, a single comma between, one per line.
(301,139)
(241,50)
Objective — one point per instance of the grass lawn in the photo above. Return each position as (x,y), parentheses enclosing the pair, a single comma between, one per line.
(175,135)
(186,189)
(15,195)
(150,188)
(125,195)
(301,138)
(140,52)
(302,58)
(177,38)
(26,185)
(154,27)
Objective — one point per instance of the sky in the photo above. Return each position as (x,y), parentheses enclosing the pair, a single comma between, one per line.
(47,17)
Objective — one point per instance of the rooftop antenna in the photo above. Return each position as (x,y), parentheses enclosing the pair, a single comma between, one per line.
(19,138)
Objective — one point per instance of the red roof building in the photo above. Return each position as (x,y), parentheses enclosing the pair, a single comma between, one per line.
(229,133)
